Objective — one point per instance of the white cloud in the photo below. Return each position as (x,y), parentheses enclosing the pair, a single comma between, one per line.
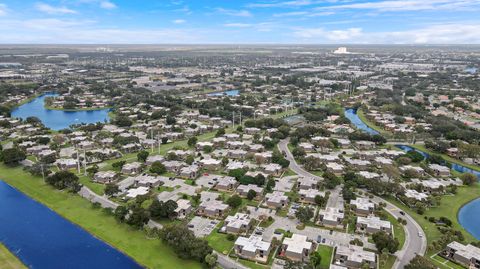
(55,31)
(432,34)
(237,25)
(408,5)
(3,9)
(179,21)
(46,8)
(290,14)
(303,13)
(294,3)
(236,13)
(107,5)
(333,35)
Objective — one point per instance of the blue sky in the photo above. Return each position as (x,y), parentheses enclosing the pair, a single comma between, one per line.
(241,21)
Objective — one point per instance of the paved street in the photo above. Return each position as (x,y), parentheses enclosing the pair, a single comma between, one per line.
(414,244)
(227,263)
(88,194)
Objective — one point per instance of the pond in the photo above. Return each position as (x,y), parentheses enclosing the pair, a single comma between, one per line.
(58,119)
(351,114)
(227,93)
(471,70)
(41,238)
(468,216)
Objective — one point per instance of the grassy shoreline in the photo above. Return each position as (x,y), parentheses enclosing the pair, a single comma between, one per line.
(76,109)
(8,260)
(134,243)
(449,207)
(370,124)
(446,157)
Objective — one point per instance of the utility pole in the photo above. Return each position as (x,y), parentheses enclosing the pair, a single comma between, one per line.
(151,134)
(84,163)
(43,172)
(159,142)
(78,162)
(233,120)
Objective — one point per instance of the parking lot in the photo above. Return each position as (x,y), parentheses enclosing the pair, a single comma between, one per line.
(202,226)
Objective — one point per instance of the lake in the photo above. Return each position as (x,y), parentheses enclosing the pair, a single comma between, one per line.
(227,93)
(42,239)
(58,119)
(469,218)
(471,70)
(351,114)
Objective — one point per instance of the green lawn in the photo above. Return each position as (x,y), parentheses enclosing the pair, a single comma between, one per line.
(284,114)
(398,230)
(252,264)
(150,253)
(326,253)
(389,263)
(8,260)
(95,187)
(440,261)
(219,242)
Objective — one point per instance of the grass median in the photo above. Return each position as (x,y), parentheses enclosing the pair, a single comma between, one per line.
(8,260)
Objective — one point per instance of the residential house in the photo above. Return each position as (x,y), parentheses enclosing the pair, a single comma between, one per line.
(190,172)
(353,257)
(243,190)
(297,248)
(272,169)
(212,209)
(184,207)
(467,255)
(308,195)
(252,248)
(276,199)
(226,183)
(331,217)
(132,168)
(439,170)
(237,224)
(362,206)
(373,224)
(105,177)
(305,183)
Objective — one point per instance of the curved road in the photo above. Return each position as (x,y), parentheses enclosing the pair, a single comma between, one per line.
(415,241)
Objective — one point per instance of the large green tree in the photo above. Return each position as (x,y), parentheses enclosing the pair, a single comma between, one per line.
(12,156)
(64,180)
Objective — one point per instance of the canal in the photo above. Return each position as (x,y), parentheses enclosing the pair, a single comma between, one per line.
(42,239)
(351,114)
(58,119)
